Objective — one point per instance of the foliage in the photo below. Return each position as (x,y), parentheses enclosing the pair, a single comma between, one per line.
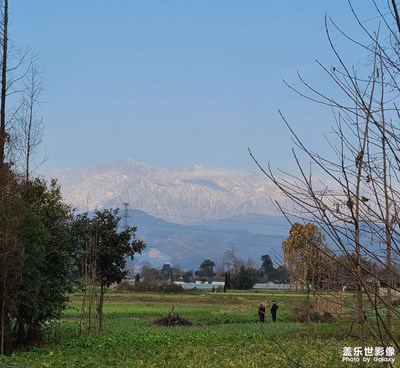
(247,277)
(112,246)
(278,275)
(166,272)
(306,256)
(11,253)
(206,268)
(267,266)
(102,253)
(168,287)
(47,273)
(40,260)
(344,267)
(227,283)
(186,277)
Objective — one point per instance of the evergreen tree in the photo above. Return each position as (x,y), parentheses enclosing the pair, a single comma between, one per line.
(206,268)
(47,273)
(227,284)
(103,250)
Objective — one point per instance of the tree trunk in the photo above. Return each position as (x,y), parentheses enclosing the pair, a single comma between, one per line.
(100,309)
(3,135)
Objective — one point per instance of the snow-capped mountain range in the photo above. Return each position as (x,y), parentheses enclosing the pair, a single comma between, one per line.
(182,196)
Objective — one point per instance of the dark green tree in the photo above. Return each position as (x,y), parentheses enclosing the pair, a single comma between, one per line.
(267,266)
(109,250)
(187,276)
(280,275)
(206,269)
(166,272)
(35,258)
(47,274)
(227,284)
(247,277)
(12,257)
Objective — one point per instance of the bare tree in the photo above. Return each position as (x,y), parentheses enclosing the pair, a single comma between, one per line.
(11,249)
(89,285)
(353,193)
(233,263)
(29,125)
(14,69)
(4,60)
(232,260)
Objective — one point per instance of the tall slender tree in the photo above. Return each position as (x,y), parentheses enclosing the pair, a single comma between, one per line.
(29,126)
(3,93)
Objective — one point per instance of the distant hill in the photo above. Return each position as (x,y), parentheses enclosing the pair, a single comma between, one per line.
(186,215)
(255,223)
(189,245)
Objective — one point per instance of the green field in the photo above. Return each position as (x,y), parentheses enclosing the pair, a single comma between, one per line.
(224,333)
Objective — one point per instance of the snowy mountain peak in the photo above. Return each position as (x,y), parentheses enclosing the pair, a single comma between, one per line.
(183,196)
(194,168)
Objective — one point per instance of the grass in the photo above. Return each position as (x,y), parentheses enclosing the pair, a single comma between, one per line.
(224,334)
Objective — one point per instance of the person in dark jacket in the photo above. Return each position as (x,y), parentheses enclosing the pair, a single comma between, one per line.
(261,313)
(274,309)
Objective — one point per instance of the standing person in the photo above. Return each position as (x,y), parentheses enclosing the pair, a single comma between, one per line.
(274,308)
(261,313)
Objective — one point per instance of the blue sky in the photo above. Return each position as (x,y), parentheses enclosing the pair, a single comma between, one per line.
(175,83)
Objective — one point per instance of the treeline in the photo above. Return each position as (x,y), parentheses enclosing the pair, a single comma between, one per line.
(233,271)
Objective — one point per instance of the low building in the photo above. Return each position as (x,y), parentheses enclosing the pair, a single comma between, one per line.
(200,285)
(271,285)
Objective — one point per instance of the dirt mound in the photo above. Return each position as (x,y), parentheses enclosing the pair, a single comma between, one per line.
(305,312)
(172,319)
